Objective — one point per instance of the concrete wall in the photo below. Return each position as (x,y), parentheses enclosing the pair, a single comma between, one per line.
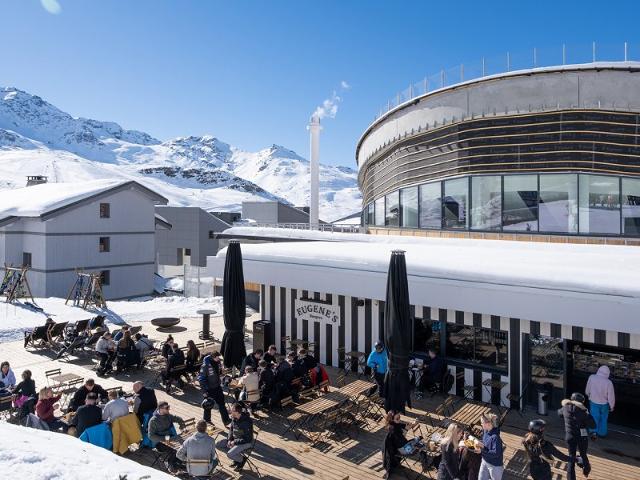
(273,212)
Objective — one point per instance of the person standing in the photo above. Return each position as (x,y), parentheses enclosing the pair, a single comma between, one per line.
(211,385)
(602,399)
(537,447)
(449,468)
(577,421)
(491,466)
(377,362)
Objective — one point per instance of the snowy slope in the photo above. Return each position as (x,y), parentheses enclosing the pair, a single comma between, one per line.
(36,138)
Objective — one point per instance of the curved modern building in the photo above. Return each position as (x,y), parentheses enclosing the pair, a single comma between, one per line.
(548,151)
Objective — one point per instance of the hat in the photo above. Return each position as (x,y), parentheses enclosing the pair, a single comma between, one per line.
(578,397)
(537,426)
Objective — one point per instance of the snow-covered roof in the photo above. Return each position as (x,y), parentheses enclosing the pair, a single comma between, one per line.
(38,200)
(563,283)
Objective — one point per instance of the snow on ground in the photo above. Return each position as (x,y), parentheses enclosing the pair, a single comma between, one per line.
(31,454)
(15,318)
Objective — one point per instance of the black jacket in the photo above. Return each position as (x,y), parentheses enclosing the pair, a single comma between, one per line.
(86,417)
(249,361)
(449,467)
(175,359)
(538,451)
(145,402)
(192,358)
(267,380)
(576,417)
(26,387)
(166,350)
(269,358)
(81,394)
(241,429)
(210,374)
(309,362)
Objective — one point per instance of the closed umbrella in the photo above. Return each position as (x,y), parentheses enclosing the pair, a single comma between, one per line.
(234,307)
(397,334)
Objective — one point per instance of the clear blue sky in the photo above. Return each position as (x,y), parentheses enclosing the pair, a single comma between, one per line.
(251,72)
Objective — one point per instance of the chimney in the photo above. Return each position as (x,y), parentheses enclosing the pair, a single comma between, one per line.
(314,140)
(36,180)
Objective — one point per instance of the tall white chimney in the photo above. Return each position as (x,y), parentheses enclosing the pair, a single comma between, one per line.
(314,145)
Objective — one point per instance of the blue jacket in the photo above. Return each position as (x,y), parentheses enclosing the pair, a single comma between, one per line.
(99,435)
(492,451)
(378,361)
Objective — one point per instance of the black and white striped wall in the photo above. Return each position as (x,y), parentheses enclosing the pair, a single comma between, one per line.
(362,323)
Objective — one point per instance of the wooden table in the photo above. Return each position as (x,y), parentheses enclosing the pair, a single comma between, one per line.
(355,389)
(65,378)
(323,403)
(469,414)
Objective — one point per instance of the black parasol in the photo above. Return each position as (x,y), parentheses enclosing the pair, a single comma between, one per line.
(234,307)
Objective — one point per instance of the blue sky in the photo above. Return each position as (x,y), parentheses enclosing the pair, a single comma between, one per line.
(252,72)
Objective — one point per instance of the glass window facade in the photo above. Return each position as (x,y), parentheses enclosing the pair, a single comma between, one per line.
(574,204)
(631,206)
(409,207)
(455,203)
(520,210)
(486,203)
(392,210)
(479,346)
(558,207)
(426,335)
(430,206)
(599,204)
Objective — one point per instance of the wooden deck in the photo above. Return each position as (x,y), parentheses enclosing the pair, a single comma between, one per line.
(341,458)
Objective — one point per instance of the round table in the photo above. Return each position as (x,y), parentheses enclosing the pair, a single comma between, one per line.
(165,322)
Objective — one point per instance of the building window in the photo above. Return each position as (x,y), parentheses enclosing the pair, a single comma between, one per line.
(426,335)
(430,205)
(105,277)
(187,252)
(558,207)
(455,203)
(105,244)
(409,207)
(210,233)
(520,204)
(26,259)
(599,204)
(630,206)
(486,203)
(392,210)
(481,347)
(371,219)
(105,210)
(379,211)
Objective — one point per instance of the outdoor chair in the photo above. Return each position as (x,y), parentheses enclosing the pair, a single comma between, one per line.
(51,373)
(246,455)
(38,337)
(56,333)
(294,423)
(118,390)
(517,399)
(66,390)
(81,326)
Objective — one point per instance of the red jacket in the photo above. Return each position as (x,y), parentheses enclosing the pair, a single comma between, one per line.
(44,408)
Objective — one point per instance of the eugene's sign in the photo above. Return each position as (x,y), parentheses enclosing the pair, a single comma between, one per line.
(318,312)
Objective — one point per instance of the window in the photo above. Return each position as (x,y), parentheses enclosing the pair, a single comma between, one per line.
(210,233)
(430,206)
(105,277)
(426,335)
(105,210)
(520,209)
(558,207)
(105,244)
(26,259)
(371,218)
(479,346)
(454,203)
(392,210)
(187,252)
(547,360)
(630,206)
(379,211)
(486,203)
(409,207)
(599,204)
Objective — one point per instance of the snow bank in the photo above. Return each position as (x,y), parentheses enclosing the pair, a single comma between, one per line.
(16,318)
(30,454)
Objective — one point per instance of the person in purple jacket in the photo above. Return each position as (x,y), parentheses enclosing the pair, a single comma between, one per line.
(602,399)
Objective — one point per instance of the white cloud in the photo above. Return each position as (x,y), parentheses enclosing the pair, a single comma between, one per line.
(51,6)
(344,85)
(329,107)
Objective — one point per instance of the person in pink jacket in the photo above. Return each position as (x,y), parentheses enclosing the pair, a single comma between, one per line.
(602,399)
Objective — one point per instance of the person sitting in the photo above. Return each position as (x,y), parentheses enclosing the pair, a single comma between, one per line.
(127,353)
(270,355)
(120,333)
(24,395)
(250,386)
(240,436)
(266,381)
(284,378)
(395,443)
(192,357)
(7,379)
(298,364)
(90,386)
(106,350)
(46,407)
(161,428)
(199,452)
(318,375)
(252,360)
(87,415)
(176,359)
(144,401)
(143,346)
(435,371)
(28,335)
(115,407)
(308,360)
(377,362)
(96,322)
(167,347)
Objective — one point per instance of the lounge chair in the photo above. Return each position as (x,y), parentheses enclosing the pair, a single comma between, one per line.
(55,334)
(38,337)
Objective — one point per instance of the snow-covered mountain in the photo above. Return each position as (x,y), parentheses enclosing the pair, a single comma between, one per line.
(37,138)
